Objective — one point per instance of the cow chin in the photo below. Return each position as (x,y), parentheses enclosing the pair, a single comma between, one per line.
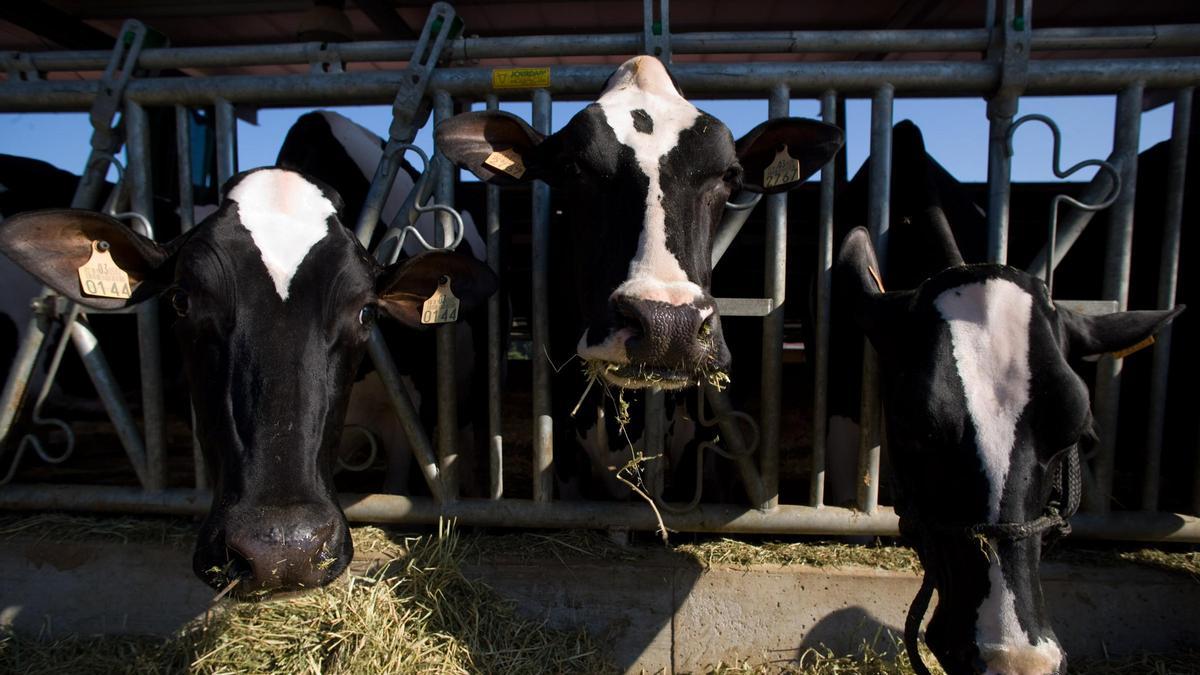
(643,376)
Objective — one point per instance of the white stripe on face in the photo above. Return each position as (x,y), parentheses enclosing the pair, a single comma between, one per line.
(989,329)
(1004,646)
(642,83)
(286,216)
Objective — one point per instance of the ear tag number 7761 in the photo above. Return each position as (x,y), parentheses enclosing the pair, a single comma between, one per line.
(442,306)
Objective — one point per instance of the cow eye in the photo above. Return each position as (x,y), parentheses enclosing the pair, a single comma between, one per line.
(733,175)
(367,315)
(179,301)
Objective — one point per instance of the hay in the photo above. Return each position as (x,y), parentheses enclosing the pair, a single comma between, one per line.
(174,532)
(814,554)
(415,614)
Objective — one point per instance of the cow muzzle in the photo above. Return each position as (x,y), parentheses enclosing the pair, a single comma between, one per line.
(274,548)
(658,344)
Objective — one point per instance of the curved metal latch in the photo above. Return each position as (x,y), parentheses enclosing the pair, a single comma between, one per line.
(1059,198)
(416,204)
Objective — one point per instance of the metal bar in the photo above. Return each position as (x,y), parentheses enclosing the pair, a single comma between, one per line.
(1167,36)
(138,173)
(410,421)
(1116,287)
(736,79)
(110,395)
(226,141)
(732,223)
(496,353)
(1000,117)
(774,287)
(1168,277)
(524,513)
(543,421)
(878,212)
(735,444)
(183,156)
(654,469)
(447,391)
(816,490)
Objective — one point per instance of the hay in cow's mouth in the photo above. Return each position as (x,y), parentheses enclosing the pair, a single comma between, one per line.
(644,376)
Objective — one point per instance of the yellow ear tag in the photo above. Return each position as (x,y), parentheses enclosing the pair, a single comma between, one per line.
(507,161)
(878,280)
(101,278)
(1136,348)
(783,171)
(442,306)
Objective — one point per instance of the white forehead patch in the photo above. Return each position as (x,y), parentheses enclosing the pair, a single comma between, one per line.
(989,329)
(1004,646)
(286,216)
(642,83)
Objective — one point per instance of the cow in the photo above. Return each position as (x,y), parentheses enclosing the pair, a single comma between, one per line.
(275,300)
(983,415)
(644,176)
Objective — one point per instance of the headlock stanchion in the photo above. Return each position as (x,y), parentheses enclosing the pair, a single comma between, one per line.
(441,73)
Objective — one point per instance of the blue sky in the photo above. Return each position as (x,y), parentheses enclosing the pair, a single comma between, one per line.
(955,131)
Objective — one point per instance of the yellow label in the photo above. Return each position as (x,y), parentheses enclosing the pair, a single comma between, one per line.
(442,306)
(1136,348)
(520,78)
(101,278)
(782,171)
(507,161)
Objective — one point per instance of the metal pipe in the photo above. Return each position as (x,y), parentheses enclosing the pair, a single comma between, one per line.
(878,213)
(543,421)
(524,513)
(1000,111)
(731,436)
(109,393)
(1168,277)
(736,79)
(732,223)
(774,287)
(183,157)
(410,421)
(226,141)
(816,490)
(654,469)
(141,200)
(496,353)
(1167,36)
(447,334)
(1116,287)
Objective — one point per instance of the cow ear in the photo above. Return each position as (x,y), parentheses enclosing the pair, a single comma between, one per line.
(858,287)
(1116,332)
(404,287)
(52,245)
(498,147)
(809,143)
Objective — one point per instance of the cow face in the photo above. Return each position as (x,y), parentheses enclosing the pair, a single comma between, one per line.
(979,402)
(646,177)
(276,300)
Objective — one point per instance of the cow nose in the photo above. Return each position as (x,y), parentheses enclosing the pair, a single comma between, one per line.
(1042,659)
(664,335)
(288,548)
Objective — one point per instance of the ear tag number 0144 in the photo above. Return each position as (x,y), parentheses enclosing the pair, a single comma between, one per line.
(100,277)
(442,306)
(507,161)
(783,170)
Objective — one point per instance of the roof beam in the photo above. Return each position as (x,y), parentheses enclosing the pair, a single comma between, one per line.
(54,25)
(383,14)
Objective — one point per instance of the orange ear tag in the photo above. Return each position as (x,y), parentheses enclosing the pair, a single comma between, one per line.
(100,277)
(1136,348)
(442,306)
(507,161)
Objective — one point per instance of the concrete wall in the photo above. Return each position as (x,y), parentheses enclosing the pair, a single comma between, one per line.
(663,613)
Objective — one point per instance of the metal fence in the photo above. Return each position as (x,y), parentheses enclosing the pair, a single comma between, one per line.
(1006,72)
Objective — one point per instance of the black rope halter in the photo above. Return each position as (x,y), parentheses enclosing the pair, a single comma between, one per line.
(1063,503)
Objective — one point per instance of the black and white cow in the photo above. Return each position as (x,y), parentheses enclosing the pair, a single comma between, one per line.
(644,177)
(275,301)
(980,404)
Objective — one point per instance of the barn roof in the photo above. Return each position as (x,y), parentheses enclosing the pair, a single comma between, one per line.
(42,25)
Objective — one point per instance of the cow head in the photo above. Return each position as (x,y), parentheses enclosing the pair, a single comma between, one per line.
(276,300)
(979,402)
(646,177)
